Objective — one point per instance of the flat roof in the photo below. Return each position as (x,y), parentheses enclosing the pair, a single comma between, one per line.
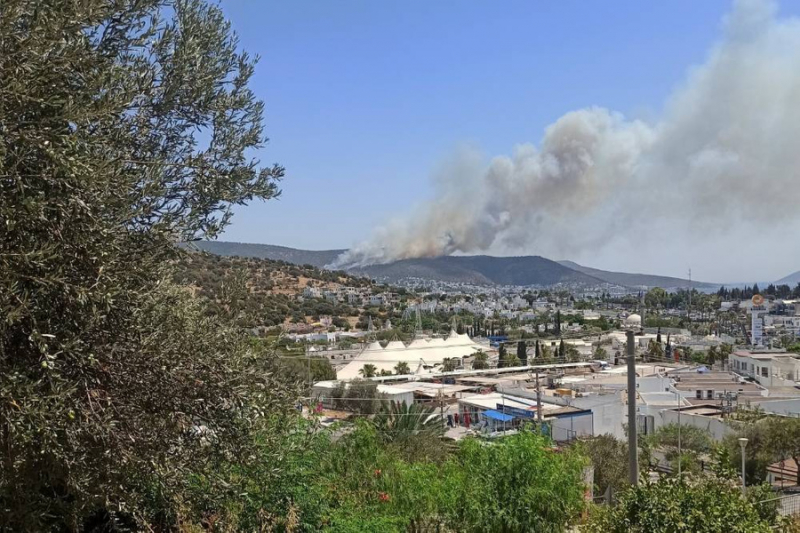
(662,398)
(717,385)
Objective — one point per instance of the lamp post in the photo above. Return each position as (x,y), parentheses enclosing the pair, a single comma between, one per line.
(680,451)
(743,444)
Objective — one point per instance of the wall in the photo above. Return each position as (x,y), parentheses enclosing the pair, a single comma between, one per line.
(609,419)
(571,425)
(782,407)
(715,426)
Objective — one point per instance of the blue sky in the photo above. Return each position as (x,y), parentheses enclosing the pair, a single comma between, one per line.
(364,99)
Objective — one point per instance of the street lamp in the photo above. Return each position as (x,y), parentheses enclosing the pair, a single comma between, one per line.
(680,451)
(743,444)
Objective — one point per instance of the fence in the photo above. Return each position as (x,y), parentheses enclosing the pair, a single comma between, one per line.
(785,505)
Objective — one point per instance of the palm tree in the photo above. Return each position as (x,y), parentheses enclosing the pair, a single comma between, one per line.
(449,364)
(480,361)
(368,370)
(399,421)
(402,368)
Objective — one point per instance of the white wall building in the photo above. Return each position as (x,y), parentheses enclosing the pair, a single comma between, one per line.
(769,369)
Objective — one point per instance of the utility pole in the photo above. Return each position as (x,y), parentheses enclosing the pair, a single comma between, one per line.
(538,402)
(689,305)
(633,452)
(441,409)
(310,383)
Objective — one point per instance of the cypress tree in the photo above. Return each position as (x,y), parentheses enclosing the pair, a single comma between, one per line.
(522,352)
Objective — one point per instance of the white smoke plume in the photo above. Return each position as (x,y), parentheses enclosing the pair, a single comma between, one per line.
(726,147)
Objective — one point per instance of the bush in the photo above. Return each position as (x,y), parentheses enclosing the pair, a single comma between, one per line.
(697,505)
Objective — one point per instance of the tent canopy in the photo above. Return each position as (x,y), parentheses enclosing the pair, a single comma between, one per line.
(497,415)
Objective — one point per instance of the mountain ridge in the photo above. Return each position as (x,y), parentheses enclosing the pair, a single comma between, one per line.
(477,269)
(791,280)
(317,258)
(638,280)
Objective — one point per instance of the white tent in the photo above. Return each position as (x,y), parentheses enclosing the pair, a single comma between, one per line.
(419,354)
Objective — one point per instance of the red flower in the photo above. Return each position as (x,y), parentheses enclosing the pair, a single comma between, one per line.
(377,472)
(382,496)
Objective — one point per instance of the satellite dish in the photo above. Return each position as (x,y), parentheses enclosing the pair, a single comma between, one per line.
(757,299)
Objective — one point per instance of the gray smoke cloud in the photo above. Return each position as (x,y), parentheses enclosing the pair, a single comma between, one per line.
(726,148)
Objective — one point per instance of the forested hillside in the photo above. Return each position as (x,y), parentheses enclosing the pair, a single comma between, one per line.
(263,292)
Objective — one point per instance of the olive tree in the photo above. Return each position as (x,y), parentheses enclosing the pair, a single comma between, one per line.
(124,127)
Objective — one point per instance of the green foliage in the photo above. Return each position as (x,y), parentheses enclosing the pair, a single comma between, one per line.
(261,292)
(572,354)
(415,430)
(402,368)
(694,444)
(296,370)
(368,370)
(509,360)
(600,353)
(545,355)
(519,484)
(480,361)
(698,505)
(609,457)
(125,127)
(450,364)
(769,439)
(783,438)
(359,395)
(515,484)
(655,351)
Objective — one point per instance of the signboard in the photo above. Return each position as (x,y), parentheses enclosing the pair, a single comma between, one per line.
(516,411)
(757,329)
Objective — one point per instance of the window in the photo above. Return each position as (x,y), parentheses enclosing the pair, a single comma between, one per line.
(710,394)
(699,394)
(764,372)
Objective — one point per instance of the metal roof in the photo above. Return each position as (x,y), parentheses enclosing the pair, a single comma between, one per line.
(497,415)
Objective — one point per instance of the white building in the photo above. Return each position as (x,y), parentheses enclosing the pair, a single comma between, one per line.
(633,321)
(769,369)
(311,292)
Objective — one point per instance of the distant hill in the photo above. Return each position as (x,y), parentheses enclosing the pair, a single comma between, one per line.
(479,269)
(790,280)
(317,258)
(263,291)
(637,280)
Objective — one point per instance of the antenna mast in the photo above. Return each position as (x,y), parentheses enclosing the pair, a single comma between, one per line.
(689,306)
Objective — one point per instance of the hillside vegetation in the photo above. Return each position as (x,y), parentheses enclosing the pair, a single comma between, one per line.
(262,292)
